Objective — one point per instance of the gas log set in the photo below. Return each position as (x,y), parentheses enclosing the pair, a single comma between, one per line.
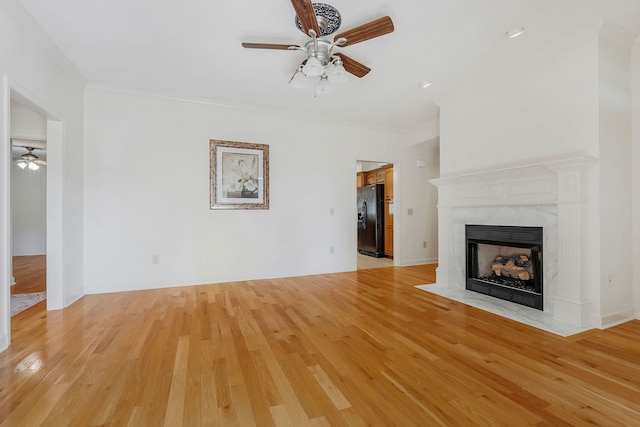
(505,262)
(513,271)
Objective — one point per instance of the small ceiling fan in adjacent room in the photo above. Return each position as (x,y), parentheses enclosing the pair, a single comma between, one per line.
(29,160)
(321,64)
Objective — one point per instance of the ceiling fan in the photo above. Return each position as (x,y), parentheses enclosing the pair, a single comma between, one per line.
(319,20)
(30,160)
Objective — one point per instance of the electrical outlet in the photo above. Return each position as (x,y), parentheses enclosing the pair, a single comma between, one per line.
(410,211)
(424,245)
(331,249)
(155,259)
(331,211)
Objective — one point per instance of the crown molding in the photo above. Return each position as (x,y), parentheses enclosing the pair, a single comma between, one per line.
(244,108)
(617,34)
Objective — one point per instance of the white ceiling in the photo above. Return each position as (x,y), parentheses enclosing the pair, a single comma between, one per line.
(191,48)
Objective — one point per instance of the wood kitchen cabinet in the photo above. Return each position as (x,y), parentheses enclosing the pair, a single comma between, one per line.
(375,176)
(388,211)
(371,178)
(388,183)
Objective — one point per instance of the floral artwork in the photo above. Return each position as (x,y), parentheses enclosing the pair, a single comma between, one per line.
(239,175)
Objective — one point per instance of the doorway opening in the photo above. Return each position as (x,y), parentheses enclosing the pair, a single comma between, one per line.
(375,207)
(53,260)
(28,138)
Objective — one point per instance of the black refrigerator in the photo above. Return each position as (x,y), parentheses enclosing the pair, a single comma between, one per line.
(371,220)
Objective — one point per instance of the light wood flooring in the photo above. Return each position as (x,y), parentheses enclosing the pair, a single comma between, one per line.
(30,274)
(366,261)
(349,349)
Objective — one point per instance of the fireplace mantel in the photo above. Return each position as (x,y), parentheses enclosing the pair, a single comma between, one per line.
(545,183)
(551,194)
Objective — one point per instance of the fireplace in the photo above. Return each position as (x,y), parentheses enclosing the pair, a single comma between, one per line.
(505,262)
(555,195)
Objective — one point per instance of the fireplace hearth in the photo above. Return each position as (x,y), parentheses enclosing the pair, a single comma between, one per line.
(505,262)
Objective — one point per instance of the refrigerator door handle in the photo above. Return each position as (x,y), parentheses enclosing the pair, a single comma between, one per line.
(363,215)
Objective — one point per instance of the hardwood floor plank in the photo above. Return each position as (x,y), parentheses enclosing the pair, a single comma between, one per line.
(280,416)
(138,417)
(362,348)
(177,392)
(32,416)
(337,398)
(30,274)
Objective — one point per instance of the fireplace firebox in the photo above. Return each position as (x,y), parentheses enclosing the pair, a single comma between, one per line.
(505,262)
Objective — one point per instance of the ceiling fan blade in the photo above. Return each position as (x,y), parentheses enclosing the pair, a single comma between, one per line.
(354,67)
(306,15)
(377,28)
(266,46)
(40,162)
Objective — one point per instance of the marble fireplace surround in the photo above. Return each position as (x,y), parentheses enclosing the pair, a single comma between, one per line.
(549,194)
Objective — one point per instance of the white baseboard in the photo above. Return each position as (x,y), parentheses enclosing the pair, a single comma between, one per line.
(4,343)
(617,318)
(70,300)
(421,261)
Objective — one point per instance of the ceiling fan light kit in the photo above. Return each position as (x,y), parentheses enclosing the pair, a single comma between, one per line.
(339,74)
(313,67)
(323,87)
(299,79)
(30,160)
(321,64)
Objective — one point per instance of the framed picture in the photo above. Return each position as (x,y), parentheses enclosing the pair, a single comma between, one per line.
(239,175)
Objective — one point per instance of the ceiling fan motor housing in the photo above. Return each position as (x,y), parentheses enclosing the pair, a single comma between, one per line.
(320,49)
(328,18)
(29,156)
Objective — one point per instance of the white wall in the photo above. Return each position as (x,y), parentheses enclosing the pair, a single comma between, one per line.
(416,204)
(28,211)
(5,216)
(147,193)
(547,107)
(614,159)
(635,121)
(37,72)
(365,166)
(26,123)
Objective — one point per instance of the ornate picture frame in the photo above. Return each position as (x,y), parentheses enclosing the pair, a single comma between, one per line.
(239,175)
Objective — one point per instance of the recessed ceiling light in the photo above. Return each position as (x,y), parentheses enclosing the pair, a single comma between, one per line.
(515,32)
(425,85)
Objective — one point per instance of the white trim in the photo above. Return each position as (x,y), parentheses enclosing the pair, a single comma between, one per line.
(617,34)
(617,318)
(55,216)
(550,194)
(5,216)
(527,185)
(421,261)
(243,108)
(25,138)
